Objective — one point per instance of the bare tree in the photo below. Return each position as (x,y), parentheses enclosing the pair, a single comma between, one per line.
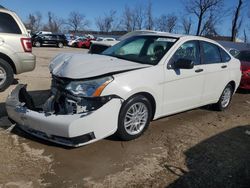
(149,24)
(106,23)
(133,18)
(186,24)
(202,8)
(171,22)
(128,21)
(166,23)
(77,21)
(209,27)
(139,16)
(245,36)
(34,21)
(237,21)
(54,24)
(161,23)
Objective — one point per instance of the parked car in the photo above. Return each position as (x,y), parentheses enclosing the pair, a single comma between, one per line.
(84,43)
(97,47)
(244,57)
(43,32)
(105,39)
(100,45)
(74,43)
(15,48)
(58,40)
(140,79)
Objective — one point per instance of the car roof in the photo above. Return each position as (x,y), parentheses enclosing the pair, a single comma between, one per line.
(165,34)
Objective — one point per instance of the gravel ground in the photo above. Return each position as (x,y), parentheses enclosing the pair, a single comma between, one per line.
(198,148)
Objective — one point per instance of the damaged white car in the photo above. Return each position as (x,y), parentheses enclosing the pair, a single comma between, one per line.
(140,79)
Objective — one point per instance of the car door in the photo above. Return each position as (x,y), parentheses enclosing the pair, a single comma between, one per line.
(46,39)
(53,40)
(216,68)
(183,87)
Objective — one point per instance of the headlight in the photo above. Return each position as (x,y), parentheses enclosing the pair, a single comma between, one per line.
(89,88)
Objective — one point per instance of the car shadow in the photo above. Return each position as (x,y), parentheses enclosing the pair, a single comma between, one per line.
(15,81)
(220,161)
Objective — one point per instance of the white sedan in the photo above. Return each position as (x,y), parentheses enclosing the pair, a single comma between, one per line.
(140,79)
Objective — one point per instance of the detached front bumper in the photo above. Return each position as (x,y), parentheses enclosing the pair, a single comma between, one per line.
(70,130)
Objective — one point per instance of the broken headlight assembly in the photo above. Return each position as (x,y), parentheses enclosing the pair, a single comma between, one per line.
(78,96)
(88,88)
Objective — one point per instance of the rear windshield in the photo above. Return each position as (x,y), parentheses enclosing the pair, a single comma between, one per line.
(142,49)
(8,24)
(244,56)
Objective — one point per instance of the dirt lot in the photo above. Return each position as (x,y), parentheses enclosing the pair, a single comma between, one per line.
(198,148)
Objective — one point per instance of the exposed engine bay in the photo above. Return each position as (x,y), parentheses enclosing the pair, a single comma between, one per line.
(62,102)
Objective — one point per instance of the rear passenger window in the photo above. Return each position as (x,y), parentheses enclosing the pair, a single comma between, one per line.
(224,56)
(8,24)
(211,53)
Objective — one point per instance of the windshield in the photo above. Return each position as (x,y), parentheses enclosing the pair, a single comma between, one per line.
(142,49)
(244,56)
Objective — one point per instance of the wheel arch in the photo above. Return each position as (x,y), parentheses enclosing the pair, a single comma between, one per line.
(9,60)
(233,84)
(150,98)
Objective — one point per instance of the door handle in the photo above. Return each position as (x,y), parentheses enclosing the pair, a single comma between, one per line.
(224,66)
(199,70)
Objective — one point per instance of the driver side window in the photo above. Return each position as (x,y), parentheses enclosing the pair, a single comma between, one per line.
(189,51)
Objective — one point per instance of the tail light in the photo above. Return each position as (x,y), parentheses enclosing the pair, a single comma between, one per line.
(27,44)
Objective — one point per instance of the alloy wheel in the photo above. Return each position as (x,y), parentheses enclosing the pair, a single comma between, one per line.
(136,118)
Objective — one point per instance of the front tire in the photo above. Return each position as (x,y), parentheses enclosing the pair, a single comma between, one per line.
(134,118)
(225,99)
(6,75)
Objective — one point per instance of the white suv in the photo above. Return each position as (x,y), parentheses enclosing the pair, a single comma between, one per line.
(15,48)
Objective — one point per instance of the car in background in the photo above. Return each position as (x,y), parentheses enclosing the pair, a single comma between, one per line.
(15,48)
(58,40)
(105,39)
(43,32)
(98,47)
(140,79)
(85,43)
(74,43)
(244,57)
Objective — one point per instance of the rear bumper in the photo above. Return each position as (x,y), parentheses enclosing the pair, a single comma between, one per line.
(70,130)
(25,62)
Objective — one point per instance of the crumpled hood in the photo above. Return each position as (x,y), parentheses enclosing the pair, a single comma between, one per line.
(80,66)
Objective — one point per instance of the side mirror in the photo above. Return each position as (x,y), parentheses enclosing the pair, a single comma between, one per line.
(183,64)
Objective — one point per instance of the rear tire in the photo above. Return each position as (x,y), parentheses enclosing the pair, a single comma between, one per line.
(60,45)
(6,75)
(37,44)
(225,99)
(134,118)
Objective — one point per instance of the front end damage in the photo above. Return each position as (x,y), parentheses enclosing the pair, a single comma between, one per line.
(64,118)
